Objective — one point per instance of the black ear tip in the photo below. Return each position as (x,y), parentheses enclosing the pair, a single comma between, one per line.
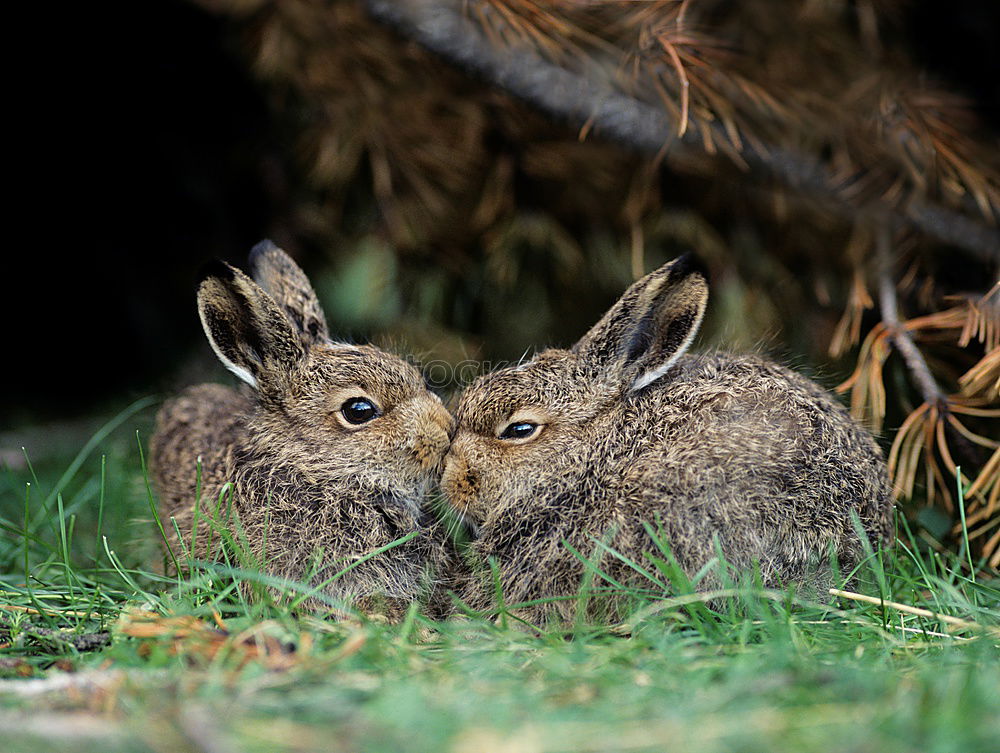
(687,264)
(216,268)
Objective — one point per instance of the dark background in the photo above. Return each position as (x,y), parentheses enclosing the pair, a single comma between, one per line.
(142,146)
(140,159)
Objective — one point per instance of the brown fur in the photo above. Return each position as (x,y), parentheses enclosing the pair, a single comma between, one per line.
(729,448)
(311,492)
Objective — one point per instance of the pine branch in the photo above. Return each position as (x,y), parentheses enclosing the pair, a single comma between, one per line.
(591,99)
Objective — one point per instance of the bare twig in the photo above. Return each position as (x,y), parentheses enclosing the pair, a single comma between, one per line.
(888,307)
(50,613)
(82,642)
(66,730)
(918,611)
(85,682)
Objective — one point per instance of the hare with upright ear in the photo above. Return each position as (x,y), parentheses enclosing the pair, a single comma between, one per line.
(624,435)
(326,456)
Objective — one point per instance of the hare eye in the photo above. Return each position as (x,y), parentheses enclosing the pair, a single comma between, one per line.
(519,430)
(359,410)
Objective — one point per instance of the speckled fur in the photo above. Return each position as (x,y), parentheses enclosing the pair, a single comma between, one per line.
(308,490)
(733,448)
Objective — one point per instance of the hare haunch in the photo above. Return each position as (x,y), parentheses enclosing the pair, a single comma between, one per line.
(623,434)
(330,453)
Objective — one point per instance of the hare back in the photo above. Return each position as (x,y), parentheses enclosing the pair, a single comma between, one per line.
(191,452)
(741,427)
(741,450)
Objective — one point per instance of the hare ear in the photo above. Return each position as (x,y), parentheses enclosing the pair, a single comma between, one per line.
(649,328)
(248,331)
(282,278)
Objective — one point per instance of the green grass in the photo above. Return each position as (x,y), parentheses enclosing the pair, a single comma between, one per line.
(758,671)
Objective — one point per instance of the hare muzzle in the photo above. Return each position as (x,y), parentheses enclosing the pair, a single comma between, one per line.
(458,482)
(433,433)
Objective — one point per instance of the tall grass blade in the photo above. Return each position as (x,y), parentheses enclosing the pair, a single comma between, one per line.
(152,505)
(95,440)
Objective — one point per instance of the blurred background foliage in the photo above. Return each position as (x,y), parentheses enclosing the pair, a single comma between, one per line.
(833,162)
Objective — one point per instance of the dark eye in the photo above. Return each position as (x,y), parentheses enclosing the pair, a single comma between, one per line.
(359,410)
(520,430)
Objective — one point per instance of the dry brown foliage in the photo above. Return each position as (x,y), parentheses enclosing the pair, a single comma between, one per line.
(926,439)
(204,642)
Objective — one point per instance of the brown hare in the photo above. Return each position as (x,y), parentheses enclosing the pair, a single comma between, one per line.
(327,454)
(623,436)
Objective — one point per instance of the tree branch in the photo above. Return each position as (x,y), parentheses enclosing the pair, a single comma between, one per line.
(592,97)
(889,309)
